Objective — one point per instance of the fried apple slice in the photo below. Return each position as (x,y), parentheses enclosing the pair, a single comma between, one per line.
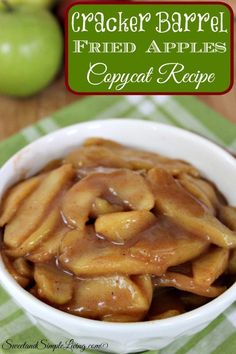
(48,249)
(227,215)
(167,251)
(96,261)
(96,156)
(122,226)
(128,186)
(102,206)
(16,196)
(201,189)
(173,200)
(95,141)
(167,244)
(33,209)
(101,297)
(208,267)
(144,283)
(185,283)
(138,159)
(53,285)
(20,279)
(38,236)
(23,267)
(153,253)
(86,255)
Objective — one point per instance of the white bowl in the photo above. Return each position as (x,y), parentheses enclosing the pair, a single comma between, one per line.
(215,163)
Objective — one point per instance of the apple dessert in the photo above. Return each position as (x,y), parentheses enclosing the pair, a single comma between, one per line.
(117,234)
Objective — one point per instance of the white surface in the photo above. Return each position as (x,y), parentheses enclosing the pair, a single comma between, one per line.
(211,160)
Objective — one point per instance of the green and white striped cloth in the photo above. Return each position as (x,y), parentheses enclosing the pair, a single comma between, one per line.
(185,112)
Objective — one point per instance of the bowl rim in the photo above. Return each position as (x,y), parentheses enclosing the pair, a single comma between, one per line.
(223,300)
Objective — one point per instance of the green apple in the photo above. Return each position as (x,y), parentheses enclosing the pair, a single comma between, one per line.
(30,3)
(31,50)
